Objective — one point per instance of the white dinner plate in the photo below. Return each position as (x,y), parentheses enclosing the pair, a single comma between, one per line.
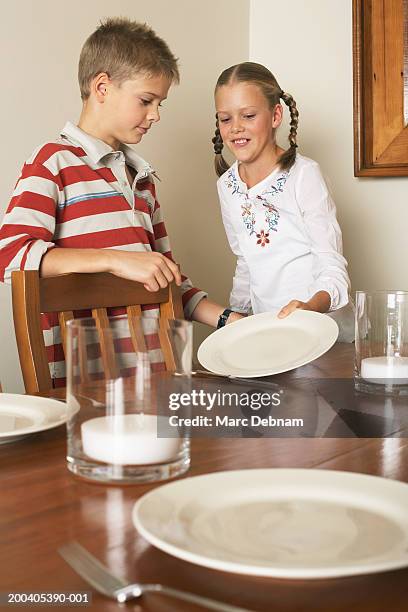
(262,344)
(284,523)
(21,415)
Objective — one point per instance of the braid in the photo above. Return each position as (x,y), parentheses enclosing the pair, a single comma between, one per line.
(287,159)
(289,101)
(220,163)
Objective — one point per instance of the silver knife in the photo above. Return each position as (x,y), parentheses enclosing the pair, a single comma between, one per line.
(253,382)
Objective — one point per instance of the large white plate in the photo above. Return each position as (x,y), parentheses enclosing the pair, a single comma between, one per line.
(262,344)
(21,415)
(286,523)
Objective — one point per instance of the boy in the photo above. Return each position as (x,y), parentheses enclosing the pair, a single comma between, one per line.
(87,202)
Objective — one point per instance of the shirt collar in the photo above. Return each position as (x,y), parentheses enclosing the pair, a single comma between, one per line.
(96,150)
(234,178)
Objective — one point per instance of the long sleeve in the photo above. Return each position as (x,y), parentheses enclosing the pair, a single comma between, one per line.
(27,231)
(319,217)
(191,296)
(240,298)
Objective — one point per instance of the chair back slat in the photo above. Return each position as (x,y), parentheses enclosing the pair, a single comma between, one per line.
(173,307)
(70,292)
(169,310)
(27,325)
(138,339)
(63,318)
(83,356)
(166,345)
(106,342)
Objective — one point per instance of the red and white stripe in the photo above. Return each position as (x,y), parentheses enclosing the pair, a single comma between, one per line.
(65,199)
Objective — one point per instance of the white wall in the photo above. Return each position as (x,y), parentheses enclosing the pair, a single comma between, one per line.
(39,49)
(308,46)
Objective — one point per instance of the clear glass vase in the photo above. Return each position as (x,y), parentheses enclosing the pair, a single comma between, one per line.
(381,363)
(119,378)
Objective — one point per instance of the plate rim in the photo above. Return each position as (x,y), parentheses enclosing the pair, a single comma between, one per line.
(263,571)
(18,433)
(319,351)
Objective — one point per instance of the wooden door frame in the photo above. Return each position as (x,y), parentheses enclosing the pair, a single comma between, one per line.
(380,134)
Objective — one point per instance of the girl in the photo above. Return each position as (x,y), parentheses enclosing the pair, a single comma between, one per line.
(278,214)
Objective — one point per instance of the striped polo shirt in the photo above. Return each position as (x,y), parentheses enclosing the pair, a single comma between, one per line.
(74,193)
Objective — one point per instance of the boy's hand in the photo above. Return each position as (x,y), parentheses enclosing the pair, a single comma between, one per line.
(154,270)
(235,316)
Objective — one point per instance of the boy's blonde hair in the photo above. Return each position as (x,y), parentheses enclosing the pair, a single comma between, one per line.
(124,49)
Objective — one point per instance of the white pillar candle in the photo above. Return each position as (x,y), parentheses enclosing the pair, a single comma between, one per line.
(375,368)
(129,439)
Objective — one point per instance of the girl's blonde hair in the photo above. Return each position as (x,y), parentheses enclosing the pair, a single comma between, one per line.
(124,49)
(250,72)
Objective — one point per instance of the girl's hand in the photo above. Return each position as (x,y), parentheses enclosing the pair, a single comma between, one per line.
(320,302)
(293,305)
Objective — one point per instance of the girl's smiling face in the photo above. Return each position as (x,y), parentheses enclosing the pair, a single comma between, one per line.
(247,123)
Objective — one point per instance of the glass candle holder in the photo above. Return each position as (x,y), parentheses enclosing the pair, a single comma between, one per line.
(381,358)
(118,376)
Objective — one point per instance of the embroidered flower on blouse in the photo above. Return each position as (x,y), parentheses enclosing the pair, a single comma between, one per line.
(249,222)
(246,209)
(271,213)
(262,238)
(232,183)
(249,208)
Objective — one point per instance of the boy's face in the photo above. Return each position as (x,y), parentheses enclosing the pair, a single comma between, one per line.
(131,108)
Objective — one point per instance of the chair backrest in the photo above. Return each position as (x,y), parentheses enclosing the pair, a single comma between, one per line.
(63,294)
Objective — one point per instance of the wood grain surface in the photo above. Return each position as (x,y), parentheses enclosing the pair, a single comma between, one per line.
(42,506)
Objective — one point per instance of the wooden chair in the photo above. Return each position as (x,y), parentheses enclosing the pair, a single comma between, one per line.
(63,294)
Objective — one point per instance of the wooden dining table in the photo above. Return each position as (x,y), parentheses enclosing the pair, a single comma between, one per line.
(43,506)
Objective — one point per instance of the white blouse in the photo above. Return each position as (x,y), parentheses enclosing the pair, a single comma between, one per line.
(286,237)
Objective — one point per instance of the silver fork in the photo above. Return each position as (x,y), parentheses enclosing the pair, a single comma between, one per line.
(92,570)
